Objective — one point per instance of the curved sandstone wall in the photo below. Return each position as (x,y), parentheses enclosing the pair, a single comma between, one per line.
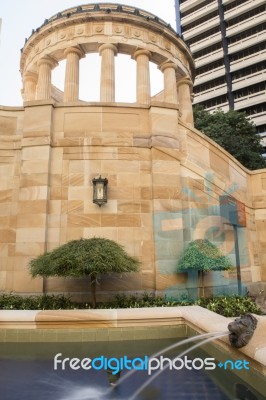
(165,178)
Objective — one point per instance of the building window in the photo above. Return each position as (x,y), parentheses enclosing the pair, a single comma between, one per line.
(245,16)
(215,102)
(200,21)
(258,87)
(208,50)
(210,67)
(197,7)
(250,70)
(247,52)
(209,85)
(256,109)
(234,4)
(261,128)
(247,33)
(204,35)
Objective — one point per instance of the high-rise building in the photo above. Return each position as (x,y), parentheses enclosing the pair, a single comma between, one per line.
(228,41)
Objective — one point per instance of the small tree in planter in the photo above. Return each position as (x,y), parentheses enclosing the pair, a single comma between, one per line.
(84,257)
(203,256)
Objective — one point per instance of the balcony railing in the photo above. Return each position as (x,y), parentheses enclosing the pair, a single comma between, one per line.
(249,80)
(259,119)
(247,24)
(224,107)
(200,12)
(210,93)
(209,58)
(248,60)
(215,73)
(189,4)
(208,41)
(250,100)
(241,9)
(201,28)
(247,42)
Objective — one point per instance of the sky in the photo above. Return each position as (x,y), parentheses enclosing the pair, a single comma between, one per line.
(19,17)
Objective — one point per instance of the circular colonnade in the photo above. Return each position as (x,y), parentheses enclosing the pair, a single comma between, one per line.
(108,29)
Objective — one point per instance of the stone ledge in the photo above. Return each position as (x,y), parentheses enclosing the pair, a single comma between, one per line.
(11,108)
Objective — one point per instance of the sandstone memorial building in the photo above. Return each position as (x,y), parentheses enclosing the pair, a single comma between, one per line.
(168,184)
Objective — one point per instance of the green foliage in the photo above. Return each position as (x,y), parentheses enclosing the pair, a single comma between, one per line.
(84,257)
(234,132)
(146,300)
(45,302)
(230,306)
(202,255)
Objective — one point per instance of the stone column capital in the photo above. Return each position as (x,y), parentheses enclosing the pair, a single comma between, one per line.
(166,65)
(47,60)
(141,52)
(109,46)
(185,81)
(76,50)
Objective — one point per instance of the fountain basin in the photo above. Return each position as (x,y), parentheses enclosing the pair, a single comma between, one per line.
(39,335)
(14,322)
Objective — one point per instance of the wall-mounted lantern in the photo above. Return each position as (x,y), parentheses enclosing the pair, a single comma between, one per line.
(100,190)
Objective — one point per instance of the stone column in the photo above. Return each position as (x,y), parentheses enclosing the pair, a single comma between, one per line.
(71,90)
(108,51)
(29,86)
(184,86)
(142,58)
(170,91)
(44,87)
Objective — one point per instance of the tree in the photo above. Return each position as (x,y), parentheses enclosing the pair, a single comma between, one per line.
(84,257)
(203,256)
(234,132)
